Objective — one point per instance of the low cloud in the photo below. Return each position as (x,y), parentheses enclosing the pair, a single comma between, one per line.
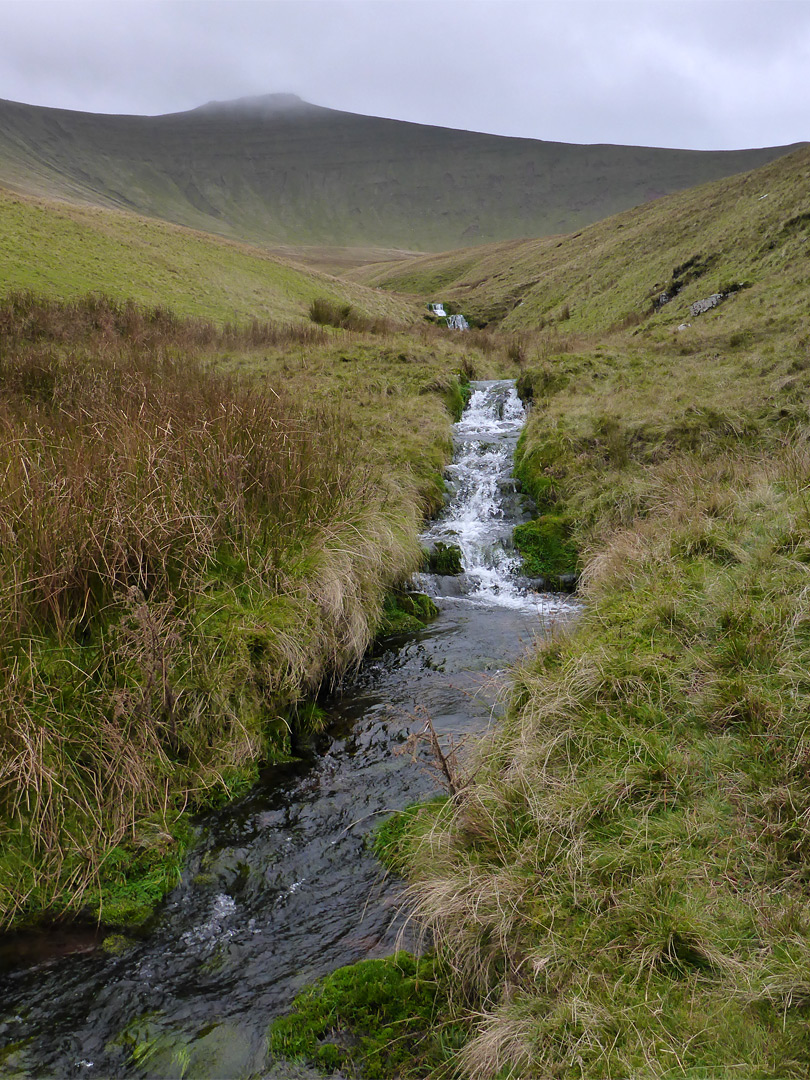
(706,74)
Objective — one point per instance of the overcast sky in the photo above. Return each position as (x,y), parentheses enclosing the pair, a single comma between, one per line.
(708,74)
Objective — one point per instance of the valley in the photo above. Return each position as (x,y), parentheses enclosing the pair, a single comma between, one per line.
(222,448)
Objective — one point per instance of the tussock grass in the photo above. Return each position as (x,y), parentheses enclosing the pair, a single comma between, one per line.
(99,319)
(185,552)
(622,889)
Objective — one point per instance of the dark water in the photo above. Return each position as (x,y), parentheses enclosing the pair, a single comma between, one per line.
(282,887)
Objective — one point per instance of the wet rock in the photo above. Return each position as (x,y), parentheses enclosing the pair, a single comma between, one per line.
(568,582)
(553,583)
(451,585)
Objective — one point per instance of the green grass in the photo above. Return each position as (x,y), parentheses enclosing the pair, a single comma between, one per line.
(64,251)
(609,274)
(200,526)
(624,885)
(621,891)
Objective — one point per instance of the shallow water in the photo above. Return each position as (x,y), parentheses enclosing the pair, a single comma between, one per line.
(282,887)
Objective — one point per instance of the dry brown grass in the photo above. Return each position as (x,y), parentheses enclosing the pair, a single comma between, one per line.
(183,554)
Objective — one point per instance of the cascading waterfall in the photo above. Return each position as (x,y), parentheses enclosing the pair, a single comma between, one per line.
(484,504)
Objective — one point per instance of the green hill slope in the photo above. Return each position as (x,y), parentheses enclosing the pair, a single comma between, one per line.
(65,251)
(277,170)
(749,229)
(617,886)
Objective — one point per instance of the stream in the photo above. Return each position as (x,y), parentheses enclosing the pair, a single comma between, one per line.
(281,886)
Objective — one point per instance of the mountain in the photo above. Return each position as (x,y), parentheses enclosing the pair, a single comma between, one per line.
(276,170)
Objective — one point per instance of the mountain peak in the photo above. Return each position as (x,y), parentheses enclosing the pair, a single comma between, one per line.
(263,103)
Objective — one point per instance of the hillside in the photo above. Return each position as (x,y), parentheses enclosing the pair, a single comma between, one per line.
(749,229)
(63,251)
(276,170)
(619,885)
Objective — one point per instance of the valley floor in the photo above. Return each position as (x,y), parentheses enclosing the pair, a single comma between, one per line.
(619,886)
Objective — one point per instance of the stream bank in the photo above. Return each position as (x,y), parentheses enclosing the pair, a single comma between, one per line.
(282,887)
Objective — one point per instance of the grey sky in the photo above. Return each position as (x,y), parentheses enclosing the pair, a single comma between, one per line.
(702,74)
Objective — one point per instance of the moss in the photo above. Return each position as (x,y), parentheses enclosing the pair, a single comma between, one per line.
(134,878)
(375,1019)
(116,944)
(12,1064)
(456,397)
(534,464)
(546,547)
(405,613)
(445,559)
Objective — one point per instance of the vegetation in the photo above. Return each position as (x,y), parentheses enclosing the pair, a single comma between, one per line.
(444,559)
(199,525)
(405,612)
(64,252)
(749,230)
(546,547)
(375,1018)
(395,837)
(620,889)
(186,551)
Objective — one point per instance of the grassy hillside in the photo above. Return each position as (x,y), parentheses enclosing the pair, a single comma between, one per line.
(747,229)
(277,170)
(63,251)
(618,886)
(622,889)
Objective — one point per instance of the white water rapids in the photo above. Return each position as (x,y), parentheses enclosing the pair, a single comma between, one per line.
(484,504)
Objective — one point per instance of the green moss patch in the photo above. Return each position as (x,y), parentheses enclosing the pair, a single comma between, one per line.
(374,1019)
(405,613)
(546,547)
(444,559)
